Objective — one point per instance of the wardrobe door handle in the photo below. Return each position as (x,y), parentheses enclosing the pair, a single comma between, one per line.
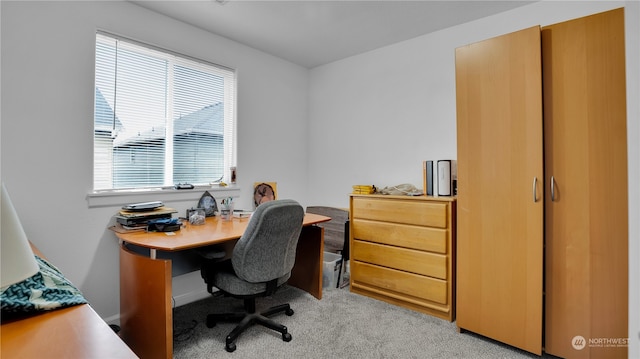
(553,192)
(535,194)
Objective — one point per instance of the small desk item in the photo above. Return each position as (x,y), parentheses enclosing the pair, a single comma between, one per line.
(238,213)
(144,206)
(146,315)
(208,203)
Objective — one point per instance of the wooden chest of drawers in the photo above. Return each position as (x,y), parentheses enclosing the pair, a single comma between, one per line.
(403,251)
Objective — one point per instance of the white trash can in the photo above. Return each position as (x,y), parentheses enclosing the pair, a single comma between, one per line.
(331,270)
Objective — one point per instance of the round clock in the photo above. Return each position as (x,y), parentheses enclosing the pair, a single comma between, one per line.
(208,203)
(263,193)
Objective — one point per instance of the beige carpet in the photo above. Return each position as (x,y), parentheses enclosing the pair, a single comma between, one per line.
(342,324)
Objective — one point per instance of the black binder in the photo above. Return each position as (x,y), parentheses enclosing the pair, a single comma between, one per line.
(428,177)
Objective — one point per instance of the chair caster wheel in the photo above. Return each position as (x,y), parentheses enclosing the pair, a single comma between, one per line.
(286,337)
(289,312)
(230,347)
(211,322)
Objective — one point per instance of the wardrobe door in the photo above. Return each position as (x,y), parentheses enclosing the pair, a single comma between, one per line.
(500,199)
(586,163)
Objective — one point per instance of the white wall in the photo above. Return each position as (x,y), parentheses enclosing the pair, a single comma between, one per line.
(375,117)
(47,127)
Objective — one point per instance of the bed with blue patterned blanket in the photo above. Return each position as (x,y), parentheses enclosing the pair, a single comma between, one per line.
(46,290)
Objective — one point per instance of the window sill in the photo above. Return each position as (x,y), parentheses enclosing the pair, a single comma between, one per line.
(121,198)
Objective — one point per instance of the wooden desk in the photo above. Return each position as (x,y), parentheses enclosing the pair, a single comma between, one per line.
(146,315)
(73,332)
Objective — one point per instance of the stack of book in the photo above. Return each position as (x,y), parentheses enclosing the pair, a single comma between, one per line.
(363,189)
(132,220)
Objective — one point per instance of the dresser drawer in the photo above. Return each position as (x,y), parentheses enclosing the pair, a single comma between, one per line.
(409,260)
(421,213)
(397,282)
(401,235)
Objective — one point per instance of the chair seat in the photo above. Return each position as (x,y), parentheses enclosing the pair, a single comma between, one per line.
(227,281)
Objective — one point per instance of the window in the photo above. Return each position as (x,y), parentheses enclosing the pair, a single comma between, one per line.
(160,118)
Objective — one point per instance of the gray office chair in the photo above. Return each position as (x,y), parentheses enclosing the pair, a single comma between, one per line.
(261,262)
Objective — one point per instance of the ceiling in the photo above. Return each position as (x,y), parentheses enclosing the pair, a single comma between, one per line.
(312,33)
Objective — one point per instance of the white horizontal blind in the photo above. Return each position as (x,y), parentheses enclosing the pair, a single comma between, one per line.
(160,118)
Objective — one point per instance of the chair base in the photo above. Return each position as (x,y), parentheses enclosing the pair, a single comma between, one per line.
(250,318)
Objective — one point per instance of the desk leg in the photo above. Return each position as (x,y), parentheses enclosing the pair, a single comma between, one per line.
(307,272)
(146,316)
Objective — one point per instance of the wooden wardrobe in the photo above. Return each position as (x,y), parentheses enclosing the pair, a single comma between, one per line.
(542,257)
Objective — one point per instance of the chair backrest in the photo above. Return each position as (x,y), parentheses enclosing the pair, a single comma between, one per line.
(267,249)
